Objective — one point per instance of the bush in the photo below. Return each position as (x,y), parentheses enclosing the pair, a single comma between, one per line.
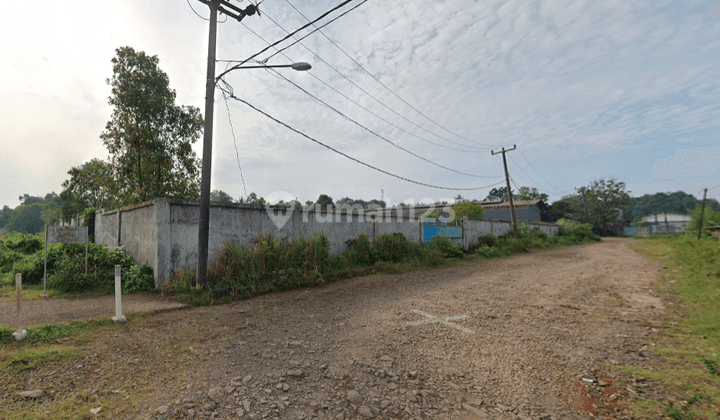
(359,251)
(270,265)
(487,252)
(446,247)
(489,240)
(539,233)
(393,248)
(579,232)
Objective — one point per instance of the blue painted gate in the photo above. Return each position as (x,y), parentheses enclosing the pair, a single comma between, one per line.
(432,228)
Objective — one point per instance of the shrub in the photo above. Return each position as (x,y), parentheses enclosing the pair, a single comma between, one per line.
(393,248)
(487,252)
(579,232)
(359,251)
(446,247)
(489,240)
(539,233)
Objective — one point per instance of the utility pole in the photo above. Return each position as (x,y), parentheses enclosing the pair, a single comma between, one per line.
(509,191)
(667,225)
(582,192)
(702,214)
(204,223)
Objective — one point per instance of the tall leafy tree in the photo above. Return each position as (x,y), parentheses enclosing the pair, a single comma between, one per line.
(149,137)
(528,193)
(5,216)
(91,184)
(604,201)
(499,194)
(220,196)
(325,200)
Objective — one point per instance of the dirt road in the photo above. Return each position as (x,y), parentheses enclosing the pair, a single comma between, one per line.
(537,329)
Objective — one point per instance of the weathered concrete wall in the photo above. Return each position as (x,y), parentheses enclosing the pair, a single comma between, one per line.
(164,233)
(473,229)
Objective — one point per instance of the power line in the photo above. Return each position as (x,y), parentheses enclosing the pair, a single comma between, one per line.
(536,171)
(355,102)
(529,178)
(285,38)
(352,158)
(385,86)
(321,102)
(315,30)
(370,95)
(200,16)
(237,154)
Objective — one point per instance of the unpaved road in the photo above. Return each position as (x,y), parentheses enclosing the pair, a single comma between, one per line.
(540,323)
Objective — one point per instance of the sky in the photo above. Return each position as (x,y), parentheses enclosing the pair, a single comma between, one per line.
(586,90)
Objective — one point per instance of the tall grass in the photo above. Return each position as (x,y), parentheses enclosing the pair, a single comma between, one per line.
(238,271)
(689,345)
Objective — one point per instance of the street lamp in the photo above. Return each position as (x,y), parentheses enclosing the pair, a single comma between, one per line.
(204,222)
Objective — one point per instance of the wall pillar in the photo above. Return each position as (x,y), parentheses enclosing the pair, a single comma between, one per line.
(163,245)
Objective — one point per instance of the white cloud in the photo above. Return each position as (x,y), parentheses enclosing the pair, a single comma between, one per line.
(688,163)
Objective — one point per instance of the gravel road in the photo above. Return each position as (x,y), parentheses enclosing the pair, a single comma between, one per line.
(530,336)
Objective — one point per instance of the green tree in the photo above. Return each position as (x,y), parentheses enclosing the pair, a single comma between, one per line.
(325,200)
(90,185)
(499,194)
(471,209)
(604,201)
(527,193)
(149,137)
(253,199)
(567,206)
(219,196)
(27,218)
(711,217)
(5,216)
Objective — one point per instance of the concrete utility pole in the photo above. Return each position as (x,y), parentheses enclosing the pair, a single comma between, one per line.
(509,191)
(702,214)
(204,223)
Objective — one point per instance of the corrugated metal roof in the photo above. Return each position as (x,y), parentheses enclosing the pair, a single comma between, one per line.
(671,217)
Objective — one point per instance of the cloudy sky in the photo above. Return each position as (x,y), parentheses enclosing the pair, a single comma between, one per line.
(585,89)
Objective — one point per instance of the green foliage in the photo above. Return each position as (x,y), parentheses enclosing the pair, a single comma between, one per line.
(487,251)
(470,209)
(269,265)
(446,247)
(603,200)
(677,202)
(24,254)
(393,248)
(325,200)
(489,240)
(90,185)
(219,196)
(527,193)
(499,194)
(359,251)
(576,230)
(710,218)
(149,137)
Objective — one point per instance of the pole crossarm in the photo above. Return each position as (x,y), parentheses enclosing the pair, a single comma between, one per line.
(249,11)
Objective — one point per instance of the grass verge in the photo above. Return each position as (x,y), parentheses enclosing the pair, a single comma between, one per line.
(690,341)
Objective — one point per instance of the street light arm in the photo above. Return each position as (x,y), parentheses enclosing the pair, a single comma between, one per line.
(299,66)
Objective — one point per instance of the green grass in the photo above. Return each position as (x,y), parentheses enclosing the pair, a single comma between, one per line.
(689,350)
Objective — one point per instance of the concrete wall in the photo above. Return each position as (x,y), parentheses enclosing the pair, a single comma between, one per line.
(164,233)
(523,214)
(473,229)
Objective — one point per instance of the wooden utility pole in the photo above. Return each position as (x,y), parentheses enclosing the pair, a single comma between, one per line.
(509,191)
(667,226)
(582,192)
(702,214)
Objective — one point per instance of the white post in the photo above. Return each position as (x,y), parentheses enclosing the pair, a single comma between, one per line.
(118,297)
(20,333)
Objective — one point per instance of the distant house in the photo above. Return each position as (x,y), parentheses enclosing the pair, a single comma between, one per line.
(664,223)
(525,210)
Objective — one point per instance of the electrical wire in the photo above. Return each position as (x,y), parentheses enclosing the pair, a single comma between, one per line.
(536,171)
(283,39)
(370,95)
(202,17)
(237,153)
(321,102)
(383,85)
(527,180)
(356,103)
(352,158)
(315,30)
